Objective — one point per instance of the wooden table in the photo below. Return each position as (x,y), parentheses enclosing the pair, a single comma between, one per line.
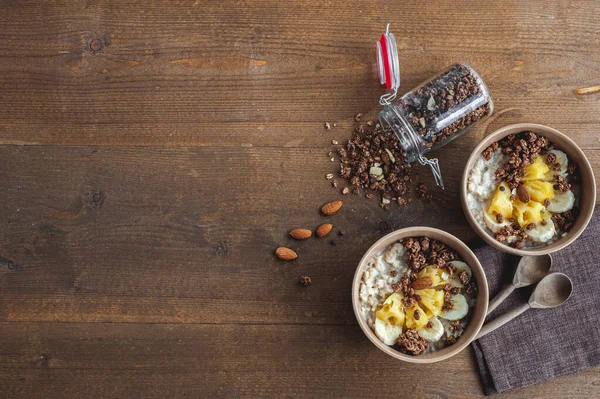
(153,155)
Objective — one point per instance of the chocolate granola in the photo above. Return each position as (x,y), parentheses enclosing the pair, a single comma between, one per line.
(455,326)
(410,342)
(425,251)
(422,192)
(564,221)
(442,96)
(305,280)
(373,159)
(522,149)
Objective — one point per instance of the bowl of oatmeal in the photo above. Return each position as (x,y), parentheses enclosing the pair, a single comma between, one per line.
(420,295)
(528,189)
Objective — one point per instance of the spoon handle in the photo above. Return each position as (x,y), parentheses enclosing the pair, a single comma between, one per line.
(498,299)
(501,320)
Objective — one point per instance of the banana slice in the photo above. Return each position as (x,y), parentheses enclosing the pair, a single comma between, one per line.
(561,159)
(460,267)
(387,333)
(495,227)
(459,310)
(541,232)
(562,202)
(491,223)
(434,333)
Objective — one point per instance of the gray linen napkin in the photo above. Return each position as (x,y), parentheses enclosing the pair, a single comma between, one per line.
(543,344)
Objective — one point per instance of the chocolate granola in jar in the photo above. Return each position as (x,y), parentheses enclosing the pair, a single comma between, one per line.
(435,112)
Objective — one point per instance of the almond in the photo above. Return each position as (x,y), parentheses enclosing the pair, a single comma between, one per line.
(331,207)
(523,194)
(422,283)
(301,234)
(324,229)
(284,253)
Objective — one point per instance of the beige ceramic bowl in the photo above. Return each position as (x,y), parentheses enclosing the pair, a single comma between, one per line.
(478,314)
(587,197)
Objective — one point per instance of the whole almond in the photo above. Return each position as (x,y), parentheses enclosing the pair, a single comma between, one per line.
(284,253)
(301,234)
(523,194)
(422,283)
(331,207)
(324,229)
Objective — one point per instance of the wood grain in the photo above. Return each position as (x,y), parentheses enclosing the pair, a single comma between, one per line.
(102,360)
(267,74)
(146,179)
(182,234)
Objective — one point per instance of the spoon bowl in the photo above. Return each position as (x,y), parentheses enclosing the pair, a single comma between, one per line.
(552,291)
(531,269)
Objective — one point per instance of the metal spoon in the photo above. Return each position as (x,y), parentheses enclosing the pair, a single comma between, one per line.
(552,291)
(530,270)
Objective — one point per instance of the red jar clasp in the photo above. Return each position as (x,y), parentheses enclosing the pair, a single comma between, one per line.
(388,66)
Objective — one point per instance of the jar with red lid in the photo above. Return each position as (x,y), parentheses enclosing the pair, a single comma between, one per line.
(435,112)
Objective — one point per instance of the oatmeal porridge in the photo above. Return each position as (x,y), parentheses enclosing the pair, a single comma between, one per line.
(417,295)
(524,191)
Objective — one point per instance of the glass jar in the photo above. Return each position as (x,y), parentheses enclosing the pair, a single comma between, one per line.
(436,112)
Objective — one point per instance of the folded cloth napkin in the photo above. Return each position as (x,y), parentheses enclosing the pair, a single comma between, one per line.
(542,344)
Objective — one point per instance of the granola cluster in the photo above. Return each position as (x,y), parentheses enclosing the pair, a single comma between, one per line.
(422,192)
(522,149)
(374,160)
(490,150)
(410,342)
(564,221)
(425,251)
(513,229)
(305,280)
(561,184)
(439,96)
(455,326)
(408,293)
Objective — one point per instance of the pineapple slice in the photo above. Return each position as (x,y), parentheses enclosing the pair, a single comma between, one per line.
(549,176)
(536,170)
(411,321)
(431,301)
(531,212)
(435,273)
(501,202)
(391,312)
(539,190)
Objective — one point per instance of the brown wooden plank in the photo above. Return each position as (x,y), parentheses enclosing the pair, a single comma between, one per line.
(174,237)
(188,234)
(268,74)
(47,360)
(139,262)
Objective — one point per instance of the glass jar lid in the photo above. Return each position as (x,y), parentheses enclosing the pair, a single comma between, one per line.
(388,66)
